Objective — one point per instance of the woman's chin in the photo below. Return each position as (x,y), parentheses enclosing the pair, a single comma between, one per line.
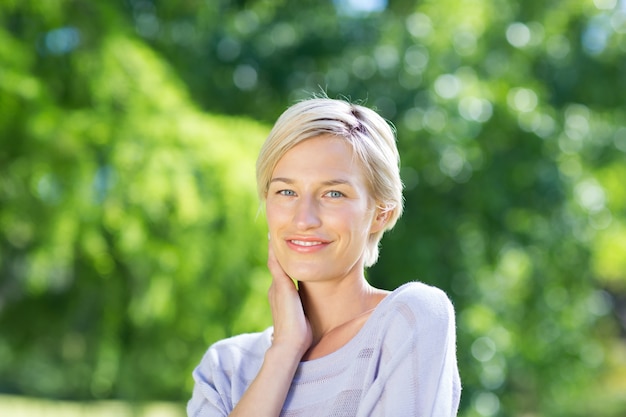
(309,273)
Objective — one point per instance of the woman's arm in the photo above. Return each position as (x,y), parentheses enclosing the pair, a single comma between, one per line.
(292,337)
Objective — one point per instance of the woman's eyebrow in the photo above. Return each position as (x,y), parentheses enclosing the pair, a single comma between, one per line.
(332,182)
(337,182)
(282,179)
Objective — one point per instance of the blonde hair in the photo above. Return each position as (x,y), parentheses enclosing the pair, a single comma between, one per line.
(370,136)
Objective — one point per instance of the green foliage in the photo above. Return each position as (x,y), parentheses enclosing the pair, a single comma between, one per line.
(121,203)
(128,217)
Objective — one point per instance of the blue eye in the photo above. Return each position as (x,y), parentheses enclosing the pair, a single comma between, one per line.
(287,193)
(334,194)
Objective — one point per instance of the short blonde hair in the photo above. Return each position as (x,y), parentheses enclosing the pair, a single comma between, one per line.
(370,136)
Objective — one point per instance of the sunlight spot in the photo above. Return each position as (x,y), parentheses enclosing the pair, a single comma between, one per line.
(576,126)
(540,124)
(419,25)
(49,189)
(518,34)
(413,119)
(476,109)
(483,349)
(522,99)
(283,35)
(605,4)
(147,24)
(360,7)
(590,195)
(435,120)
(416,59)
(600,303)
(600,219)
(570,167)
(492,376)
(537,33)
(452,161)
(447,86)
(386,57)
(618,21)
(464,42)
(596,35)
(228,49)
(246,22)
(62,41)
(577,121)
(486,404)
(558,46)
(245,77)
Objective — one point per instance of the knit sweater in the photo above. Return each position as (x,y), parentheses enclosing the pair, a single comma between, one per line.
(401,363)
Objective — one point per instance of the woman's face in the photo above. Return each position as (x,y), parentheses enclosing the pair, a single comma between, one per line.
(319,211)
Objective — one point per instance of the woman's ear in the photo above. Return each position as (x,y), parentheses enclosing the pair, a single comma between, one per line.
(383,213)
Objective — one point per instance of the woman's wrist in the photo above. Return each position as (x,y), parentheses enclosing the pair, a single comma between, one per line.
(286,352)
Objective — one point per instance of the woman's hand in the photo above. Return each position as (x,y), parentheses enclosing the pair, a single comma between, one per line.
(291,327)
(292,338)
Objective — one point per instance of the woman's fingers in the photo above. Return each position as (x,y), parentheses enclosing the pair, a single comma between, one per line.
(291,326)
(275,269)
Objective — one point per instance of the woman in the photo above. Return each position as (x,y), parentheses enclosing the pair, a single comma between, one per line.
(329,176)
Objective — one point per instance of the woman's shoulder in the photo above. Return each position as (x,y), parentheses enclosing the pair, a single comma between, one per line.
(232,360)
(419,290)
(419,304)
(416,292)
(236,348)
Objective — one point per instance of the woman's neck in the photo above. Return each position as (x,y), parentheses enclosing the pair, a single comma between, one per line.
(337,311)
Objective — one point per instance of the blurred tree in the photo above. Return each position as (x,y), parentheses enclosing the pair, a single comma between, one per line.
(128,233)
(512,134)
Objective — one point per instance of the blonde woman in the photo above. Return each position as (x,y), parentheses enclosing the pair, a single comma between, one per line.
(328,174)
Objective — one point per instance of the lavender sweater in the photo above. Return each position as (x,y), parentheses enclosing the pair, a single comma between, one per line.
(401,363)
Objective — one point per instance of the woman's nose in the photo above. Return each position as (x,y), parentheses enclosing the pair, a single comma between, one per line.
(307,214)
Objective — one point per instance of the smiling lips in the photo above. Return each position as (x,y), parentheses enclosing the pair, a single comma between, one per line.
(305,242)
(305,245)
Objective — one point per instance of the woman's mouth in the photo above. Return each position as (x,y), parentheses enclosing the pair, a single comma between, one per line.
(306,242)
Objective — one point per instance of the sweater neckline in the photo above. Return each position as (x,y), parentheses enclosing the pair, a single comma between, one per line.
(338,359)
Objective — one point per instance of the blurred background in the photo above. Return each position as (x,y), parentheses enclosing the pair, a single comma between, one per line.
(130,232)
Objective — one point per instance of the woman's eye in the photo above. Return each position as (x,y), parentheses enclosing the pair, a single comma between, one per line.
(334,194)
(287,193)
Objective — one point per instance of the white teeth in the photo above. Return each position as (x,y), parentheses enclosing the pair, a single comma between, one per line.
(303,243)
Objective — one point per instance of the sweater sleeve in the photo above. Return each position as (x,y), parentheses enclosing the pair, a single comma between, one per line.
(418,373)
(206,400)
(225,372)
